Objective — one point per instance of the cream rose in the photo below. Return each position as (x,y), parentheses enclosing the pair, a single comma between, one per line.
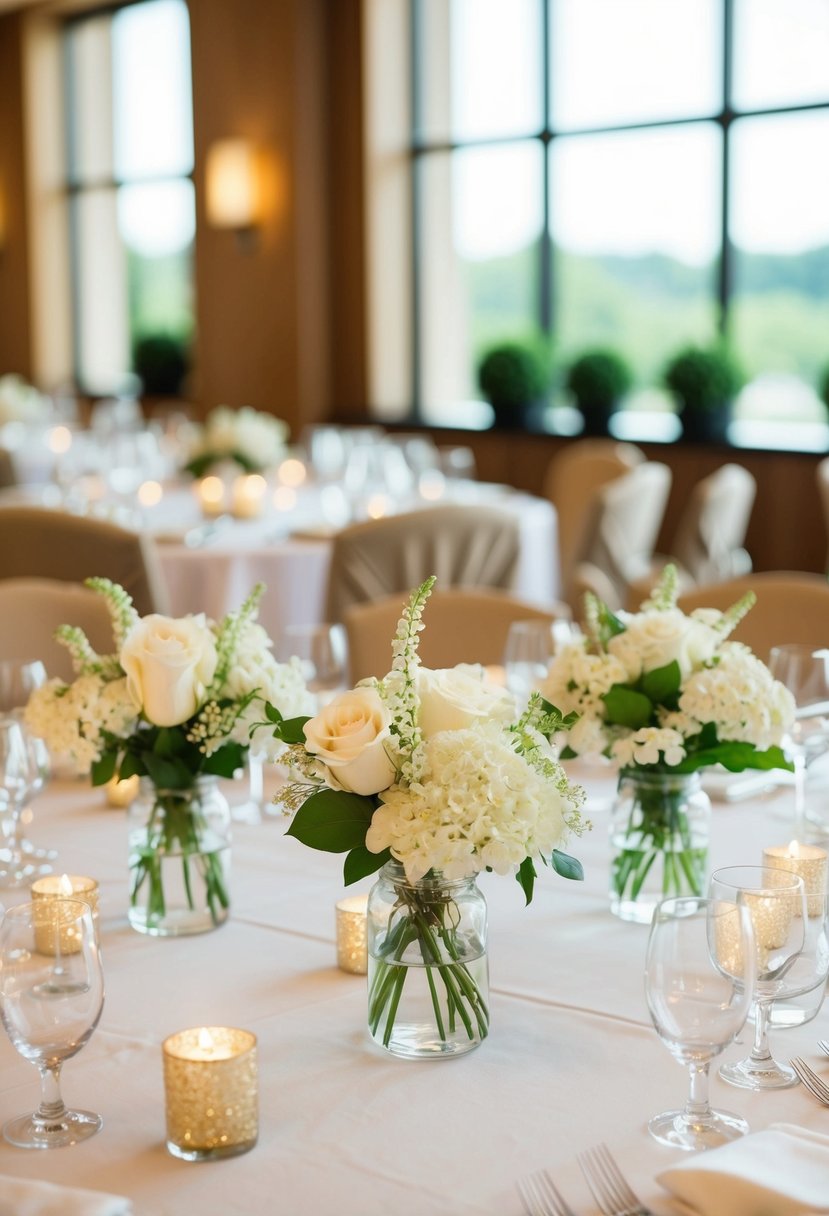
(654,639)
(351,737)
(169,664)
(456,697)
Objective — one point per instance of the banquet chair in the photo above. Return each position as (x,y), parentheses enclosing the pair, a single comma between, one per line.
(792,606)
(8,473)
(36,542)
(708,543)
(463,625)
(31,609)
(461,545)
(625,522)
(574,477)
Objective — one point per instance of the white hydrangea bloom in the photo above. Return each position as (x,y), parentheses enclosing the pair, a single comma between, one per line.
(478,805)
(647,745)
(71,719)
(577,680)
(256,435)
(740,696)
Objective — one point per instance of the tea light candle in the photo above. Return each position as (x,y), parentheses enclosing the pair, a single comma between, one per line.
(352,948)
(809,862)
(249,496)
(48,896)
(122,793)
(211,495)
(211,1092)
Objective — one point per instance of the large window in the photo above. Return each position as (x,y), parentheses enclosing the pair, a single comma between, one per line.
(632,173)
(129,166)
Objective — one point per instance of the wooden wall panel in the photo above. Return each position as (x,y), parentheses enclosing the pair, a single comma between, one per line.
(15,322)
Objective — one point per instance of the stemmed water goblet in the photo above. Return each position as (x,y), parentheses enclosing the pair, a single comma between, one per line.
(19,779)
(776,902)
(19,858)
(804,670)
(51,996)
(323,652)
(699,976)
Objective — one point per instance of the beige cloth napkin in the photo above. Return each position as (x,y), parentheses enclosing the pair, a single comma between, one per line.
(25,1197)
(783,1171)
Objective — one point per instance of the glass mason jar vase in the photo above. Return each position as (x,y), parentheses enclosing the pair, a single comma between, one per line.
(428,976)
(660,824)
(179,859)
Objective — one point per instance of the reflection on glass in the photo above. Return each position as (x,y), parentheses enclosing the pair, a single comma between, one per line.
(638,61)
(782,53)
(635,223)
(482,211)
(780,229)
(480,68)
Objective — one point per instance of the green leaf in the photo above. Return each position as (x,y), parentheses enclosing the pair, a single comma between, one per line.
(662,684)
(333,821)
(360,862)
(567,753)
(130,765)
(609,624)
(104,769)
(170,741)
(736,757)
(167,774)
(272,713)
(526,876)
(567,866)
(225,761)
(290,731)
(627,707)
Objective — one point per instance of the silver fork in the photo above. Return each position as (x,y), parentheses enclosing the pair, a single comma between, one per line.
(541,1197)
(824,1046)
(608,1185)
(811,1080)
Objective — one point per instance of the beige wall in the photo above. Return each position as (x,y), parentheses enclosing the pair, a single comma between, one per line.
(15,333)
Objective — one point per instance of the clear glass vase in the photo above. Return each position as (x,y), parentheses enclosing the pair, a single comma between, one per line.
(660,825)
(428,975)
(179,859)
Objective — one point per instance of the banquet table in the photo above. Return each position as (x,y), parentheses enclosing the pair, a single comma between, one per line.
(345,1130)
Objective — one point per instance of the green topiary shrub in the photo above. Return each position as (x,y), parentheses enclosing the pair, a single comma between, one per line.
(598,379)
(513,376)
(704,382)
(162,362)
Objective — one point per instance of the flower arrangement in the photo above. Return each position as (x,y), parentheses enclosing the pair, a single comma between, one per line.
(661,692)
(430,771)
(250,438)
(173,703)
(20,401)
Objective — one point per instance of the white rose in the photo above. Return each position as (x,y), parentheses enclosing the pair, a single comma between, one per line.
(169,664)
(454,698)
(351,737)
(654,639)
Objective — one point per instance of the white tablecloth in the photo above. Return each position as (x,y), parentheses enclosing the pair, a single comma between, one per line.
(572,1057)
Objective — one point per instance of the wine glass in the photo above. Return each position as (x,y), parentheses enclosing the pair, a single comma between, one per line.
(19,778)
(776,901)
(18,680)
(804,670)
(51,996)
(529,647)
(699,975)
(323,652)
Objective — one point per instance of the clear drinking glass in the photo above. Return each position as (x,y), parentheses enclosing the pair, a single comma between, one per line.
(804,670)
(323,651)
(51,996)
(776,902)
(699,975)
(20,778)
(529,647)
(18,680)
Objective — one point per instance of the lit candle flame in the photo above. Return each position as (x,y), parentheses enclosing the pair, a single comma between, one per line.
(292,472)
(65,885)
(205,1039)
(150,493)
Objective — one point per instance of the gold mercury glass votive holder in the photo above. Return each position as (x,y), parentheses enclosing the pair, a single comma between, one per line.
(352,946)
(55,911)
(809,862)
(211,1092)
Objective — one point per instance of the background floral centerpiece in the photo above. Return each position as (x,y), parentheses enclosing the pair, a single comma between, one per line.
(429,775)
(252,439)
(664,695)
(173,704)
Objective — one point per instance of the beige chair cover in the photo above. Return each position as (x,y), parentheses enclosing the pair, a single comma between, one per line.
(573,479)
(460,545)
(39,543)
(626,519)
(31,609)
(708,544)
(462,626)
(792,606)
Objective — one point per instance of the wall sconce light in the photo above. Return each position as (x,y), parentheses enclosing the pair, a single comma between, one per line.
(233,193)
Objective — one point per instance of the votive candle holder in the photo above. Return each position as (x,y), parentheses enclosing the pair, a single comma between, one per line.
(809,862)
(55,900)
(352,945)
(211,1092)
